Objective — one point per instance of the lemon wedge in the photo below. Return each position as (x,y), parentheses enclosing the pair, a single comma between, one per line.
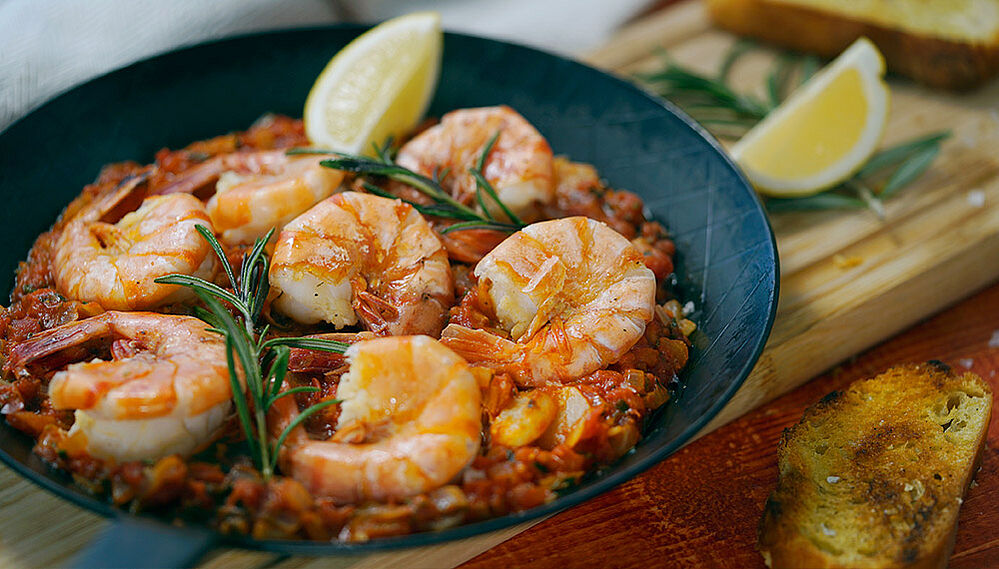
(379,85)
(824,131)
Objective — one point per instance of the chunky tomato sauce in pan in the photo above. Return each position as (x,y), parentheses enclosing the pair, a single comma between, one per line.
(489,369)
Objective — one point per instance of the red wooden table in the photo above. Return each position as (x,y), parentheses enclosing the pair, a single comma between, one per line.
(701,506)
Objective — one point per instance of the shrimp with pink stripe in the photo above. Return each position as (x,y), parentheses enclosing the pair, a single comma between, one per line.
(116,263)
(410,422)
(359,257)
(257,191)
(518,166)
(142,385)
(572,294)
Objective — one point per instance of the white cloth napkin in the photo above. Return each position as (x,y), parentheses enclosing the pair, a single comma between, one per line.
(568,27)
(48,46)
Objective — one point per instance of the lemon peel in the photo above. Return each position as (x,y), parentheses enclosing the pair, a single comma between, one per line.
(824,132)
(378,86)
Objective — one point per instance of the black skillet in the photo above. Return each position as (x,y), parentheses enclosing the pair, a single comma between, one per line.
(726,261)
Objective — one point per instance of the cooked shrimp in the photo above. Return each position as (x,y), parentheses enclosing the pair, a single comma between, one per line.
(417,406)
(573,294)
(361,256)
(519,166)
(115,265)
(164,389)
(255,191)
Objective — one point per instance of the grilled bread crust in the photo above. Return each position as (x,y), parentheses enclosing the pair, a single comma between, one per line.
(874,476)
(938,60)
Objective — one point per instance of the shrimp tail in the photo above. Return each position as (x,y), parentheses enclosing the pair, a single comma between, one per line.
(483,348)
(126,197)
(195,179)
(476,346)
(45,348)
(470,245)
(375,312)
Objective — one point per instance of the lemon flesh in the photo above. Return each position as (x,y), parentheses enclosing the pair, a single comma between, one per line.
(824,132)
(378,86)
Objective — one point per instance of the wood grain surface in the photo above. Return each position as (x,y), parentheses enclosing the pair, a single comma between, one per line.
(701,506)
(925,254)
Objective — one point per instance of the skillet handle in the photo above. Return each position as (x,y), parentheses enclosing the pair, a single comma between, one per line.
(134,542)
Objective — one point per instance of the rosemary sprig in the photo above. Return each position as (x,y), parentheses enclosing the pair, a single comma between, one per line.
(779,78)
(738,49)
(262,362)
(444,206)
(881,177)
(482,185)
(728,113)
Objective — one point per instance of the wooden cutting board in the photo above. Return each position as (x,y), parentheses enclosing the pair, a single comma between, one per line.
(938,243)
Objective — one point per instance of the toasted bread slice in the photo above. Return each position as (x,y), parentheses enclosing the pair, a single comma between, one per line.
(874,476)
(952,44)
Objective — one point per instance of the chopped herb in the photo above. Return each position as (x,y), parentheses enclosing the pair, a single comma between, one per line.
(566,486)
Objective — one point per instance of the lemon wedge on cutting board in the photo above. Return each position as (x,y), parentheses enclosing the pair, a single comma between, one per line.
(379,85)
(824,131)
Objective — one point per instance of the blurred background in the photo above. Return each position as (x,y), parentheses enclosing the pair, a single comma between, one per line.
(47,46)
